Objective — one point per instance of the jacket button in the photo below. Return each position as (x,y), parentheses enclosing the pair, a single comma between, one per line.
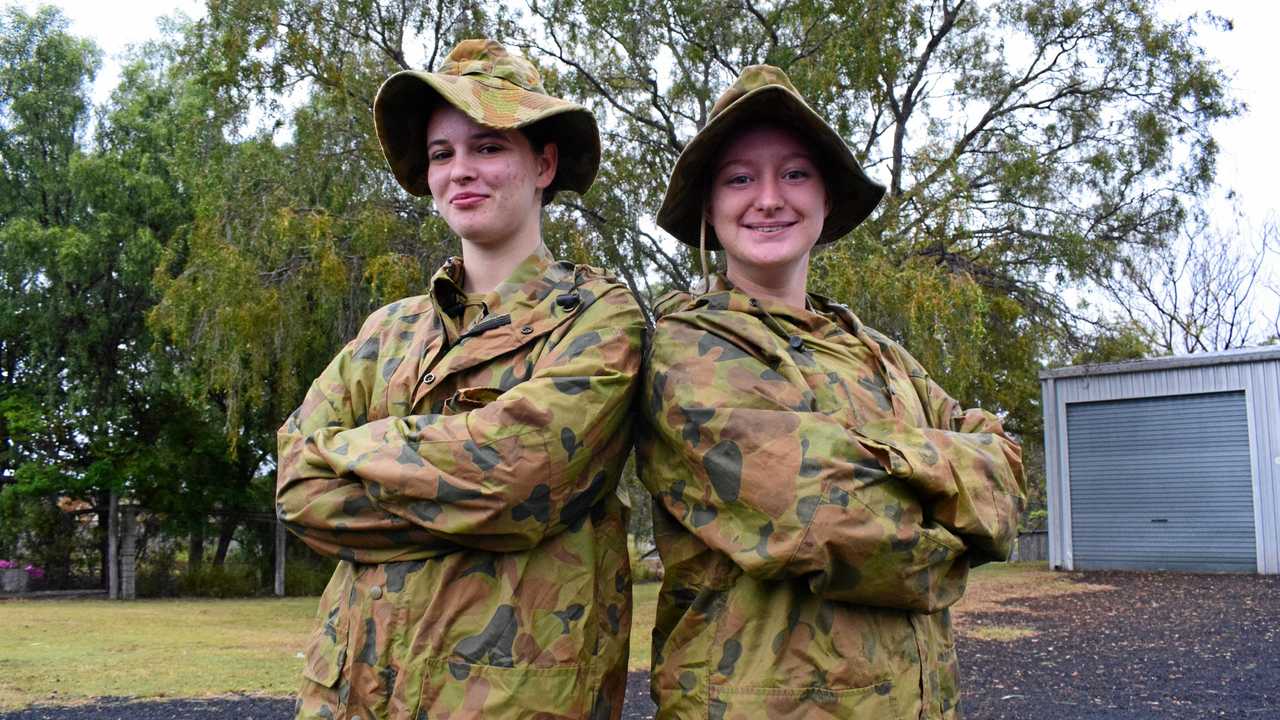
(428,378)
(375,592)
(526,330)
(795,342)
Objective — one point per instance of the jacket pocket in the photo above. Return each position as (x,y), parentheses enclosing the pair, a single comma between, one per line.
(470,398)
(325,654)
(486,692)
(326,650)
(815,703)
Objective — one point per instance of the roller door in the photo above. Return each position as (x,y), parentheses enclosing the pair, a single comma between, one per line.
(1161,484)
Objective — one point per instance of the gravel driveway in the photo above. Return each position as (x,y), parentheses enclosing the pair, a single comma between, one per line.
(1158,646)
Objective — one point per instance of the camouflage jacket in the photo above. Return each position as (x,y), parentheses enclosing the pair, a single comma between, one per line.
(466,479)
(818,503)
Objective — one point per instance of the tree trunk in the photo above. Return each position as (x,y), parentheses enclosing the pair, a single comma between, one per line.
(225,533)
(195,552)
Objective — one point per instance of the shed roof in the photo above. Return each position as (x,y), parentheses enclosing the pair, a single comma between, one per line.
(1221,357)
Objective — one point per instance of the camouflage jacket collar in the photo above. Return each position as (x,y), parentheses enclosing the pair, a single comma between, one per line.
(512,301)
(817,318)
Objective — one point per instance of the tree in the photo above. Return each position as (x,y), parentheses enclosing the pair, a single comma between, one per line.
(1200,294)
(91,405)
(44,75)
(1021,141)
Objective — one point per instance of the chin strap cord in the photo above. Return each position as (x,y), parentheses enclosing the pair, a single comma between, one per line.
(702,247)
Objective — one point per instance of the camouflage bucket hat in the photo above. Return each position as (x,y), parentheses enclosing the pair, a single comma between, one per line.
(495,89)
(764,94)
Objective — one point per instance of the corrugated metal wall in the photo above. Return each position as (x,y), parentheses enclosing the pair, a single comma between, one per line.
(1258,379)
(1162,484)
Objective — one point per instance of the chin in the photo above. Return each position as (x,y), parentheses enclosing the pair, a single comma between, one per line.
(479,233)
(774,260)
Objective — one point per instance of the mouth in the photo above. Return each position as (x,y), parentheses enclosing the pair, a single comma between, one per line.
(769,228)
(467,199)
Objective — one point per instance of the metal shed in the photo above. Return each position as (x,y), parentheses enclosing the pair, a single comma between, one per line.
(1165,464)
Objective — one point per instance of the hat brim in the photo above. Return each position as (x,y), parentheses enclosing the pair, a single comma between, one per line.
(853,195)
(407,99)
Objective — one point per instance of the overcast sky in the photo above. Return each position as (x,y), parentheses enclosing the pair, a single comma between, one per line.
(1250,152)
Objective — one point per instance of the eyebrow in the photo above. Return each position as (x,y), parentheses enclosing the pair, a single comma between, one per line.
(747,159)
(480,135)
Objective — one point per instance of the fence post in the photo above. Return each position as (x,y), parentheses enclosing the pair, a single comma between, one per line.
(280,549)
(128,552)
(113,537)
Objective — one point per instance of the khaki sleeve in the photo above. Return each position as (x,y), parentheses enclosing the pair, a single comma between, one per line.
(329,512)
(506,474)
(736,457)
(965,468)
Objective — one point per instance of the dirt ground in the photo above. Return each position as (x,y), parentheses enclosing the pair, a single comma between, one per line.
(1152,646)
(1057,646)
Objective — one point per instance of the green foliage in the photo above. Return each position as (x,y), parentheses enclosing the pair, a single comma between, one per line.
(304,578)
(156,574)
(1116,343)
(1037,520)
(35,529)
(44,76)
(90,403)
(213,581)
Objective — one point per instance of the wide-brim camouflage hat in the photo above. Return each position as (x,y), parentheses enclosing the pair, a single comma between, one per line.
(763,94)
(495,89)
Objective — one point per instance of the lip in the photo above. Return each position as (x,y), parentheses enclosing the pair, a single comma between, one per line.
(770,228)
(467,199)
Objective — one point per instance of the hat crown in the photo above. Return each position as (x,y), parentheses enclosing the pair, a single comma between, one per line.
(491,59)
(753,77)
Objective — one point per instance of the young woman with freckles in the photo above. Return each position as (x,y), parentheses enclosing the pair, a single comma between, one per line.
(460,456)
(819,499)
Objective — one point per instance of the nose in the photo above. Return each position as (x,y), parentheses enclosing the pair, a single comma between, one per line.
(768,195)
(463,167)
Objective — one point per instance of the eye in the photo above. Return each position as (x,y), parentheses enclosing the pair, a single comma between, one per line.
(737,179)
(489,149)
(797,175)
(439,155)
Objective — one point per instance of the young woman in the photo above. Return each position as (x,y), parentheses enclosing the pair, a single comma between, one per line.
(460,454)
(819,498)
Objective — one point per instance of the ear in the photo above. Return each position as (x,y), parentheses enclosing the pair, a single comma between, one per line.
(546,163)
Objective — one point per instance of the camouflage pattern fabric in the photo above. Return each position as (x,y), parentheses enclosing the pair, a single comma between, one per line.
(496,90)
(763,94)
(466,477)
(818,504)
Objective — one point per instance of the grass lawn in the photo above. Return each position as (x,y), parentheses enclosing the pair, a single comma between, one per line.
(69,651)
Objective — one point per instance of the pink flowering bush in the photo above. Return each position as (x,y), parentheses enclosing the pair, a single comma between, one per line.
(35,572)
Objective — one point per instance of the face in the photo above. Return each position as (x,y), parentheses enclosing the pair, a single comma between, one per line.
(768,203)
(487,184)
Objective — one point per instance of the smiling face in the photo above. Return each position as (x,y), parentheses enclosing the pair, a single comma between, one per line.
(768,204)
(487,184)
